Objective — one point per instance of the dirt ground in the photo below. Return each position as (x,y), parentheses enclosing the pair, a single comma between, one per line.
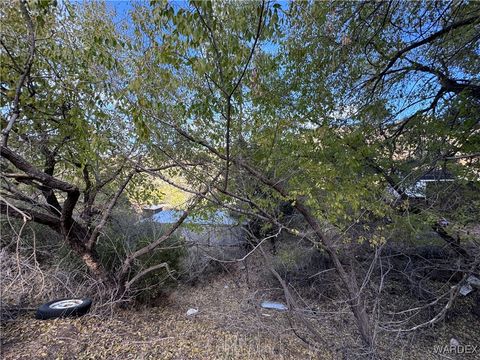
(230,325)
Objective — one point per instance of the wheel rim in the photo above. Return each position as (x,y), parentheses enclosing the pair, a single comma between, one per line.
(65,304)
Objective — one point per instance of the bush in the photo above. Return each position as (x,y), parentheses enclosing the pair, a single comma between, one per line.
(127,234)
(297,262)
(25,284)
(37,265)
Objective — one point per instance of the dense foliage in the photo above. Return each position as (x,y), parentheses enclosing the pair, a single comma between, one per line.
(331,109)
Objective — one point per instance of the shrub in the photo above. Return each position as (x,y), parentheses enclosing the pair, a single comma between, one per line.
(126,234)
(37,265)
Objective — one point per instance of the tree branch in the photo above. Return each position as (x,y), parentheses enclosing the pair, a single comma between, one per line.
(429,39)
(23,77)
(38,217)
(107,212)
(236,85)
(22,164)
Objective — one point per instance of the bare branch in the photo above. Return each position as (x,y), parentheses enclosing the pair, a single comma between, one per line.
(23,214)
(146,271)
(236,85)
(38,217)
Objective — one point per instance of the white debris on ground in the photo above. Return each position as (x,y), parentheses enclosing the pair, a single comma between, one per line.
(274,305)
(474,281)
(192,311)
(467,288)
(454,342)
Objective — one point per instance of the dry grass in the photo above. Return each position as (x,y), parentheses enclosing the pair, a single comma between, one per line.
(230,325)
(24,284)
(164,331)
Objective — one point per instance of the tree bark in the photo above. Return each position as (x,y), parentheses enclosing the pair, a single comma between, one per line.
(73,232)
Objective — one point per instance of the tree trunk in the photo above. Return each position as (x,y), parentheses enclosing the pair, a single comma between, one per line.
(77,238)
(356,299)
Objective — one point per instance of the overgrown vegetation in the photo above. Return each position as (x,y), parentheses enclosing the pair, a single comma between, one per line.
(342,137)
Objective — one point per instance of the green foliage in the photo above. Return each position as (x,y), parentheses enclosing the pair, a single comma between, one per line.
(147,190)
(154,283)
(306,93)
(70,102)
(289,259)
(305,112)
(121,241)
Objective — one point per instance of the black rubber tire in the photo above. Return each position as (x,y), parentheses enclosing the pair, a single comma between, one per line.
(45,312)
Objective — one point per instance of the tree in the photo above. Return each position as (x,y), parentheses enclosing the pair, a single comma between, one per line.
(310,123)
(253,103)
(208,68)
(57,92)
(69,149)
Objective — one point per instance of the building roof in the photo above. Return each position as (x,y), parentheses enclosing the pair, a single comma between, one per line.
(437,174)
(153,207)
(220,218)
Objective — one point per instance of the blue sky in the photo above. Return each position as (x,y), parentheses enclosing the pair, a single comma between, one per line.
(123,7)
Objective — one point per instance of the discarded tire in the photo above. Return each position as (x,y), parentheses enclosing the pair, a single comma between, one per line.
(63,308)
